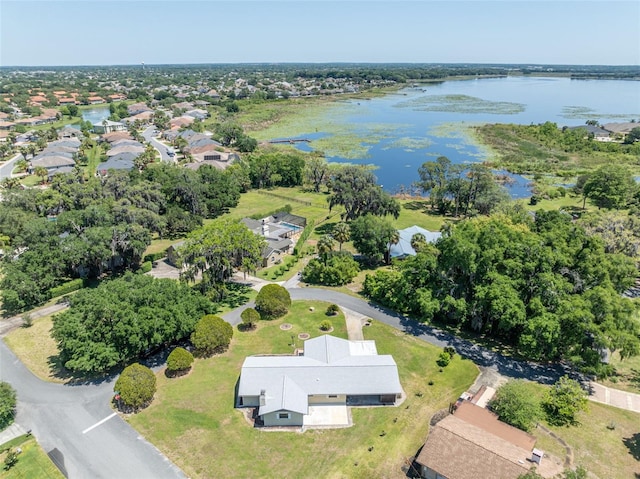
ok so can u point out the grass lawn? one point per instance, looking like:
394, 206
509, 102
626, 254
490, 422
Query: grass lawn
193, 420
30, 180
158, 245
627, 375
32, 461
94, 157
37, 350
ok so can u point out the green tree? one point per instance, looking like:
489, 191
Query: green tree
564, 401
249, 318
273, 301
371, 235
325, 246
356, 189
341, 233
610, 186
41, 172
211, 334
515, 405
394, 239
136, 386
216, 249
179, 360
7, 405
339, 269
316, 171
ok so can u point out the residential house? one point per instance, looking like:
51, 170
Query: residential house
472, 443
279, 231
403, 248
330, 373
197, 113
620, 129
114, 136
108, 126
67, 101
122, 161
95, 100
599, 134
69, 132
51, 162
180, 121
137, 108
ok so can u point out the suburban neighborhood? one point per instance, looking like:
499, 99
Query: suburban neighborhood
278, 240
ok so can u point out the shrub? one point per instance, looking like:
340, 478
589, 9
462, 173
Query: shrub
450, 350
515, 405
179, 360
136, 386
249, 318
303, 237
7, 405
151, 257
27, 320
339, 269
145, 267
332, 310
273, 301
443, 359
326, 325
66, 288
563, 401
10, 459
211, 334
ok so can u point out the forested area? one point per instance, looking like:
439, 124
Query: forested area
544, 285
96, 227
123, 319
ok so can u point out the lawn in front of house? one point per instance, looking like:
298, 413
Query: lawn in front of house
32, 461
193, 420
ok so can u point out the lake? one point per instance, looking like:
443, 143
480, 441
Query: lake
96, 114
400, 131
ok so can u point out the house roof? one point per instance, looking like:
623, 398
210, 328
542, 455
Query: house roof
620, 127
457, 449
115, 163
125, 149
404, 248
329, 365
287, 395
596, 130
488, 421
107, 123
52, 161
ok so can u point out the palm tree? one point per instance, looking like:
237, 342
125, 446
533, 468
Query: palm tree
42, 172
418, 242
341, 233
22, 165
393, 240
325, 246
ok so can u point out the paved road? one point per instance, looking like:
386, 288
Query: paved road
8, 166
542, 373
62, 417
147, 134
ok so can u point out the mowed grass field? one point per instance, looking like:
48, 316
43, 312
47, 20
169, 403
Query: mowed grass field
192, 419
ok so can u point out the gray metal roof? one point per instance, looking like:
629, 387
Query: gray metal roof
404, 248
330, 365
287, 395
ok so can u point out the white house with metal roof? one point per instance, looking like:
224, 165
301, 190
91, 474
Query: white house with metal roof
331, 371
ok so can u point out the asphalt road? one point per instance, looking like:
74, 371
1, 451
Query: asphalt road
8, 166
492, 361
66, 421
162, 149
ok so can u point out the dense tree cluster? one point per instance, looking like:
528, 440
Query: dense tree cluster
335, 269
7, 405
86, 228
124, 318
272, 168
460, 189
543, 285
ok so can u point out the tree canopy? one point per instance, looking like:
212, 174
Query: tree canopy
211, 334
136, 386
124, 318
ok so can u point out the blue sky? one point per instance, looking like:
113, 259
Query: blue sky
105, 32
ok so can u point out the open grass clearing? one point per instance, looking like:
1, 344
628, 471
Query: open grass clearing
627, 375
193, 421
32, 463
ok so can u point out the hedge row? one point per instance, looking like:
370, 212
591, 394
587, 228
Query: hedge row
145, 267
154, 256
303, 238
66, 288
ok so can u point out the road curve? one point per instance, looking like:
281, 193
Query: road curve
66, 421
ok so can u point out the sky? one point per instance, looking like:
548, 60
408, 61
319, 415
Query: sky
107, 32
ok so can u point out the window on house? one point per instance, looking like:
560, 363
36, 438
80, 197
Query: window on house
283, 415
332, 396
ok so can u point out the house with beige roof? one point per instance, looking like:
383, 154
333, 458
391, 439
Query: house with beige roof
472, 443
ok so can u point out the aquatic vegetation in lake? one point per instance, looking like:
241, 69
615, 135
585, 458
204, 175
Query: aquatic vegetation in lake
582, 113
409, 144
462, 104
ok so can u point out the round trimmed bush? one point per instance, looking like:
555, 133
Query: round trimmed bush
443, 359
249, 318
211, 334
136, 386
273, 301
179, 360
326, 325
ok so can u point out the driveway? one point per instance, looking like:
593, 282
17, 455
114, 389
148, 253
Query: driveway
147, 134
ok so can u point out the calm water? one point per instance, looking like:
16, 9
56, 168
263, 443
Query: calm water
423, 123
96, 114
